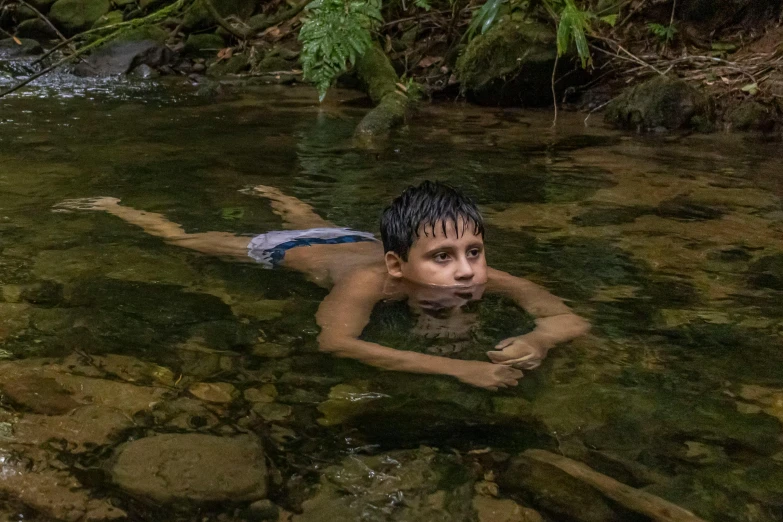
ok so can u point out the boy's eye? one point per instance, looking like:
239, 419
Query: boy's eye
441, 256
474, 252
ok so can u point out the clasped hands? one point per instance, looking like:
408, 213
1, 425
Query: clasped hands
518, 352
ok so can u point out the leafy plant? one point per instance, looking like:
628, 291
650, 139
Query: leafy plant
665, 33
573, 23
335, 34
573, 26
484, 17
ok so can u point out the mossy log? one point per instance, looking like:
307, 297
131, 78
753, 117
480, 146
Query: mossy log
655, 508
380, 79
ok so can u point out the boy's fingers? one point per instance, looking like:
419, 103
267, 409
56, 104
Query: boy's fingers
504, 344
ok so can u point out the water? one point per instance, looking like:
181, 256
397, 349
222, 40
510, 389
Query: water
670, 246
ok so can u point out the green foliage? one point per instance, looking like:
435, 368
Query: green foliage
485, 17
573, 23
573, 26
664, 32
335, 34
422, 4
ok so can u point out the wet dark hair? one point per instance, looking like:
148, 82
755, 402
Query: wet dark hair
422, 208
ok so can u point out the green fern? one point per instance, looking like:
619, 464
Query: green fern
665, 33
573, 26
484, 17
335, 34
573, 23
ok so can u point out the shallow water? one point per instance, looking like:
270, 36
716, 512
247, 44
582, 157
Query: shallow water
670, 246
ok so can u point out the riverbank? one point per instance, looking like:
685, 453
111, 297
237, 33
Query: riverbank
707, 71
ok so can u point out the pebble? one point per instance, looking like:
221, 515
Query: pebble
217, 392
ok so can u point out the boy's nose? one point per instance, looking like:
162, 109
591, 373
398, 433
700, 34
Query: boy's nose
464, 271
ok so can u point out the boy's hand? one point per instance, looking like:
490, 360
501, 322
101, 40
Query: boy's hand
519, 353
487, 375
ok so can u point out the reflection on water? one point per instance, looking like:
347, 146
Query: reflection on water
671, 247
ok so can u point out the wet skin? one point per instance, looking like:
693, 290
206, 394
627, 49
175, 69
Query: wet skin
445, 263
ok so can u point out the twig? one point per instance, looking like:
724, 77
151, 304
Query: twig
241, 35
153, 17
45, 19
554, 94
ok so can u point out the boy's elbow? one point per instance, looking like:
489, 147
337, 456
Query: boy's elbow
579, 326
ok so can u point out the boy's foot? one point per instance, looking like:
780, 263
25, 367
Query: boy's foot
296, 213
99, 203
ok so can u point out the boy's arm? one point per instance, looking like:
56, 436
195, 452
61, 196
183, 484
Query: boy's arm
555, 322
345, 312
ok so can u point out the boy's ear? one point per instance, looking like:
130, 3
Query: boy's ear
393, 264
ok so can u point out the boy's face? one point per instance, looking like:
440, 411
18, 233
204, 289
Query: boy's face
442, 259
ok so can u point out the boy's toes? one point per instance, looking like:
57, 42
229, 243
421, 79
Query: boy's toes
70, 205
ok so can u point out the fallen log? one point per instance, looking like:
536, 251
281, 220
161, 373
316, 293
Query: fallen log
382, 84
636, 500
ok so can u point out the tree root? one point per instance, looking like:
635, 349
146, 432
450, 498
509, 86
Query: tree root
249, 32
382, 85
636, 500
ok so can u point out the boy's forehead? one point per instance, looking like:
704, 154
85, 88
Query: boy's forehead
447, 229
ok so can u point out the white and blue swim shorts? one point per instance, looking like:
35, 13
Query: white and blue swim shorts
269, 249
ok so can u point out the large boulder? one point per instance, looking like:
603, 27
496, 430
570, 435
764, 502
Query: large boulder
192, 467
122, 57
661, 103
74, 16
510, 65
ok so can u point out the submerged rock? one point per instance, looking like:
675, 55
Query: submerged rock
174, 467
661, 103
396, 486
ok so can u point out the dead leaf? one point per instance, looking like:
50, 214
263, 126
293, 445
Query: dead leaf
430, 60
17, 40
401, 87
225, 54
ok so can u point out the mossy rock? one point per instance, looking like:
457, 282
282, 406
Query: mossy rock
41, 5
661, 103
73, 16
10, 50
198, 17
145, 32
36, 29
234, 65
110, 18
751, 116
510, 65
201, 44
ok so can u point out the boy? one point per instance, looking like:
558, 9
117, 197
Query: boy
432, 254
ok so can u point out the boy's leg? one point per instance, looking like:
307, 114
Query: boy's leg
216, 243
296, 214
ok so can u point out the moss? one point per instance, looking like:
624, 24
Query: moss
110, 18
73, 16
376, 72
511, 63
661, 103
751, 115
380, 79
203, 44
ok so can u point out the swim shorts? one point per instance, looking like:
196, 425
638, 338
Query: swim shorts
269, 249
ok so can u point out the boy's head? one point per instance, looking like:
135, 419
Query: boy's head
433, 234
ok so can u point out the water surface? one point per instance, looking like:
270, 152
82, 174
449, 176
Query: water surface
670, 246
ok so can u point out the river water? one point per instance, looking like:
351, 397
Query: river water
669, 245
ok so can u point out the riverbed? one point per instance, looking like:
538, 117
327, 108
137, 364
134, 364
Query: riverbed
670, 245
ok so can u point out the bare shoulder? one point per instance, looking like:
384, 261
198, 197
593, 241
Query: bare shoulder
497, 279
364, 278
